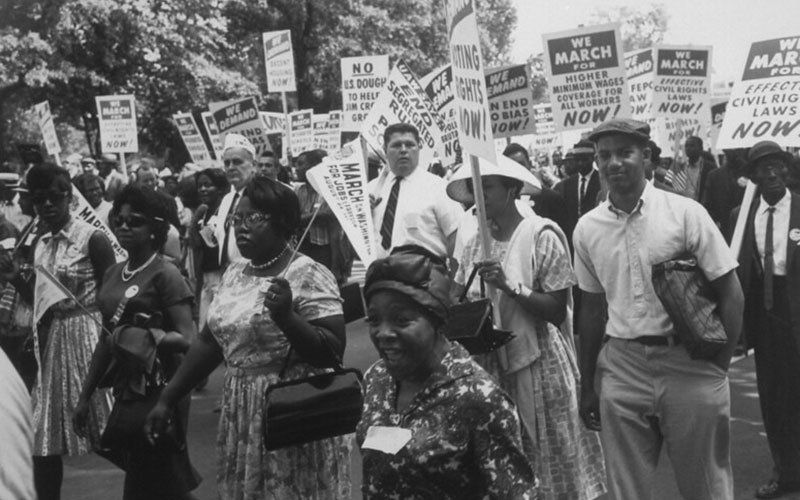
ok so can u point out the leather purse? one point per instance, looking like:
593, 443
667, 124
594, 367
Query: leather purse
691, 304
312, 408
472, 323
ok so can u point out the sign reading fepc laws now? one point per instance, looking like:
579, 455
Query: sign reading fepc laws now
586, 72
116, 115
764, 104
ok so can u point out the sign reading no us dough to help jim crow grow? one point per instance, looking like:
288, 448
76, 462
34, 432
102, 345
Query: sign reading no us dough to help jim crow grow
362, 80
682, 82
586, 72
116, 115
765, 103
279, 61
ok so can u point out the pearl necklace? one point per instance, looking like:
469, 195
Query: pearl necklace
128, 275
271, 261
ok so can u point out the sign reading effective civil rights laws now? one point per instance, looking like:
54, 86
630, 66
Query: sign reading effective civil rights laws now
586, 72
362, 80
116, 115
279, 61
682, 83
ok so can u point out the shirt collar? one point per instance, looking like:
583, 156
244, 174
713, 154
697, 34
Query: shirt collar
63, 233
782, 204
645, 200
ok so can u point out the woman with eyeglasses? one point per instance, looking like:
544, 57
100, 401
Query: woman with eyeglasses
77, 255
147, 311
269, 312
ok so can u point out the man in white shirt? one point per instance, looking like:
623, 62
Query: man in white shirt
409, 204
16, 435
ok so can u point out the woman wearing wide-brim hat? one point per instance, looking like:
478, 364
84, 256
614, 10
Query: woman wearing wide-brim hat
529, 267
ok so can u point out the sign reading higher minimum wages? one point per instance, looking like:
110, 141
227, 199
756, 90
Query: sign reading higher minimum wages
116, 115
587, 76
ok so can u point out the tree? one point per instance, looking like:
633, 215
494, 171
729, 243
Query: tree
642, 26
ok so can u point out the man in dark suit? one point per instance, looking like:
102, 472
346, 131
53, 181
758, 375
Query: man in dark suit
769, 269
546, 203
579, 190
724, 191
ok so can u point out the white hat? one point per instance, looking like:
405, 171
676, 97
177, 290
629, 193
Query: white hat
234, 140
505, 167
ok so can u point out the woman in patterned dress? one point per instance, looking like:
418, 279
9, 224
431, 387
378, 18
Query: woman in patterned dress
269, 310
529, 268
77, 255
456, 433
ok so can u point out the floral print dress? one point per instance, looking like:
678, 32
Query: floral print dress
255, 351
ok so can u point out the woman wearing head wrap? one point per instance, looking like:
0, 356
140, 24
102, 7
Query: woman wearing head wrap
529, 268
435, 425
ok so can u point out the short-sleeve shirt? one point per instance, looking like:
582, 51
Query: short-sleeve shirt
615, 252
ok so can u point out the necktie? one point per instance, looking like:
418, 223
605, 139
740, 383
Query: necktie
388, 215
769, 262
581, 195
228, 222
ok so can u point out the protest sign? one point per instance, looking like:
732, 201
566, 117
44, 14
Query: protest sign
671, 134
193, 139
362, 81
341, 180
510, 99
639, 66
301, 131
334, 131
116, 115
45, 119
213, 134
319, 124
438, 84
682, 82
545, 136
241, 116
586, 72
279, 61
274, 123
764, 104
469, 81
403, 99
718, 105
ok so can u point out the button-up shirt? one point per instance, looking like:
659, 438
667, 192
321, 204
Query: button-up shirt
780, 231
615, 252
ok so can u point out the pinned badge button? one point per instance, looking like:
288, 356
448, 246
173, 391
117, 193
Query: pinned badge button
794, 234
131, 291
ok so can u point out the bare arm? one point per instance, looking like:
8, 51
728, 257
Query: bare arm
101, 254
591, 328
731, 307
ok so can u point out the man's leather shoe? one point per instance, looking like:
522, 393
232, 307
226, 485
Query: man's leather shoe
774, 489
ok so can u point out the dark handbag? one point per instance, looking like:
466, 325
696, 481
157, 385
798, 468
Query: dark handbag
472, 323
125, 427
312, 408
691, 304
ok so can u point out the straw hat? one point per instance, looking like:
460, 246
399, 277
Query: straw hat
505, 167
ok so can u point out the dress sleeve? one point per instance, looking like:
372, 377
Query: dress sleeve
553, 269
172, 287
315, 292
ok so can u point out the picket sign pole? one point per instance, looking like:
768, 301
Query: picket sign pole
287, 130
477, 191
741, 220
123, 165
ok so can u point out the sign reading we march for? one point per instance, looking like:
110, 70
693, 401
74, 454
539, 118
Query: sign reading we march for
765, 105
116, 115
587, 77
279, 61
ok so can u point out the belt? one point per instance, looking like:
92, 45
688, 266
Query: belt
653, 340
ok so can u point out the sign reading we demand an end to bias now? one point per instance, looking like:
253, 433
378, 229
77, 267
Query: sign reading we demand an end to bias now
764, 104
587, 76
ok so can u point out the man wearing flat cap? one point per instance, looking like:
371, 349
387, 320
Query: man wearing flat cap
579, 191
769, 269
639, 386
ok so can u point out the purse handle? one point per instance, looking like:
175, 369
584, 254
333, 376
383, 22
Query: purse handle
338, 366
469, 284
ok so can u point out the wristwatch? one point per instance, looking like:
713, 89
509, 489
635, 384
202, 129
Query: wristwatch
515, 291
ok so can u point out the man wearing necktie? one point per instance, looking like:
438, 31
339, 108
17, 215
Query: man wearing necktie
769, 268
409, 204
580, 190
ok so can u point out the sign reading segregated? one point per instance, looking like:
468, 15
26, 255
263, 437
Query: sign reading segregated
764, 104
510, 99
682, 82
116, 115
279, 61
362, 81
587, 76
193, 139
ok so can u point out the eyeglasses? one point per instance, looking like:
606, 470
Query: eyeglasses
55, 197
249, 220
132, 221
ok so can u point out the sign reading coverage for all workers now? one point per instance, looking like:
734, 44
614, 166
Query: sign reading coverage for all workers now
279, 61
213, 133
764, 104
45, 120
404, 100
116, 115
682, 83
341, 180
438, 84
362, 80
510, 99
586, 72
469, 80
193, 139
301, 131
639, 67
241, 116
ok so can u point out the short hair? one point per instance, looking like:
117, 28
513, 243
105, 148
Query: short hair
148, 203
313, 157
515, 148
694, 138
400, 128
43, 175
655, 151
276, 199
508, 182
267, 153
84, 181
216, 176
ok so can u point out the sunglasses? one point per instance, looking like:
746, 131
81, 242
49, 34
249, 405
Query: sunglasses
132, 221
54, 197
250, 219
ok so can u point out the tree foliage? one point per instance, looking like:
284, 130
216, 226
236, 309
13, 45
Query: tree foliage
642, 26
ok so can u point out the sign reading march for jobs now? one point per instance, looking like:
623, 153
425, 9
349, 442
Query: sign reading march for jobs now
116, 115
587, 77
764, 104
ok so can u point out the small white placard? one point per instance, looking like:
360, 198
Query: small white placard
386, 439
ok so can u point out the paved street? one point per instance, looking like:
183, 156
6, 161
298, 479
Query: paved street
92, 478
